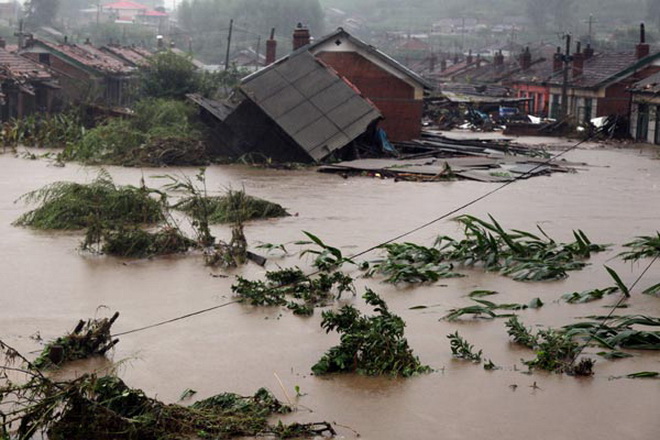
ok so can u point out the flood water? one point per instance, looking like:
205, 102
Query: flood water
47, 286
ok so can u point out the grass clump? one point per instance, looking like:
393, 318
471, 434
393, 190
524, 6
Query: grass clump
370, 345
295, 290
488, 308
226, 209
91, 407
71, 206
90, 338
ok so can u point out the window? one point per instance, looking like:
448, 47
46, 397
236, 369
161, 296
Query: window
44, 58
556, 108
642, 122
588, 105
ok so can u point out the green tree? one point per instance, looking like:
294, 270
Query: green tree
169, 75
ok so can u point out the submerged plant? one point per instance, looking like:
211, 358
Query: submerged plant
461, 349
555, 350
69, 205
327, 258
412, 263
292, 288
645, 246
588, 295
488, 308
137, 243
235, 205
370, 345
91, 407
89, 338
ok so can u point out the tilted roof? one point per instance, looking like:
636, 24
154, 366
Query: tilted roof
650, 84
318, 109
90, 57
128, 54
16, 67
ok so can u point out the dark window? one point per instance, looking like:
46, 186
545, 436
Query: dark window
588, 106
556, 108
44, 58
657, 125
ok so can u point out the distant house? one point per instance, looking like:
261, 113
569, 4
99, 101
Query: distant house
295, 110
533, 81
133, 56
645, 113
599, 83
26, 87
85, 72
394, 89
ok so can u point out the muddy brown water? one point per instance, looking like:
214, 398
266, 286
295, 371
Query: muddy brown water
47, 285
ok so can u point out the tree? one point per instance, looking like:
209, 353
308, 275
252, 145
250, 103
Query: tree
169, 75
40, 12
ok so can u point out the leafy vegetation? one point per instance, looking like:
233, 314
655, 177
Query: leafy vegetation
646, 246
412, 263
292, 288
370, 345
518, 254
619, 332
56, 130
555, 349
227, 208
160, 132
488, 308
70, 206
461, 349
105, 407
328, 258
91, 338
138, 243
588, 295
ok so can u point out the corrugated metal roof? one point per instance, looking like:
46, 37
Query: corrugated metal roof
311, 103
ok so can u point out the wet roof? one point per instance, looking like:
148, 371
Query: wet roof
91, 57
17, 67
311, 103
129, 54
649, 84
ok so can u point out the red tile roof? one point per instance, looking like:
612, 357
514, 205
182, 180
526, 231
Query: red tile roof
91, 57
128, 54
16, 67
125, 5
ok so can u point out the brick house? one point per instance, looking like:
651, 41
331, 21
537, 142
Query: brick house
85, 72
26, 87
394, 89
645, 110
599, 83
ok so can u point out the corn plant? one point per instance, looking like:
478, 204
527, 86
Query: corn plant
461, 349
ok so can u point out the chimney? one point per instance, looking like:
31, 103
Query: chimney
3, 43
455, 58
469, 57
301, 36
88, 41
526, 59
159, 42
271, 48
642, 49
578, 61
588, 51
443, 65
478, 60
557, 61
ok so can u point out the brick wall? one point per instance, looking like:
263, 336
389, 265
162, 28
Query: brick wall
393, 97
617, 96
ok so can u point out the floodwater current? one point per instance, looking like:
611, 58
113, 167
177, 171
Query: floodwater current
47, 285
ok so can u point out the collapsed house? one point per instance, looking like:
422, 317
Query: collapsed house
317, 100
26, 87
295, 110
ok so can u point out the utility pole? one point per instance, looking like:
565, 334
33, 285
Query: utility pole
231, 28
256, 61
564, 84
590, 22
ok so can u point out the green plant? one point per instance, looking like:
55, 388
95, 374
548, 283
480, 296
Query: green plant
588, 295
520, 334
327, 258
235, 204
461, 349
292, 288
645, 246
68, 205
137, 243
370, 345
487, 308
88, 338
412, 263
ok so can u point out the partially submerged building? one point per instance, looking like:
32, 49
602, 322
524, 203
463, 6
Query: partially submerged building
85, 72
645, 112
295, 110
26, 87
